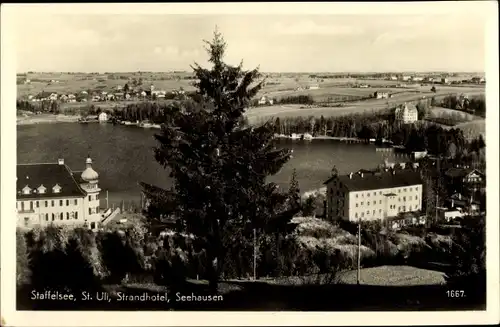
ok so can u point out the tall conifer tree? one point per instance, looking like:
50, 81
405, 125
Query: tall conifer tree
219, 165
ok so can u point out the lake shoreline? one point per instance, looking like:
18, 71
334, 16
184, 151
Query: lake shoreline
46, 119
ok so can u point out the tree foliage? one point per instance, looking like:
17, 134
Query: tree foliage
218, 165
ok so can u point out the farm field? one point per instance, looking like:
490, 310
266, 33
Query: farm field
259, 114
275, 86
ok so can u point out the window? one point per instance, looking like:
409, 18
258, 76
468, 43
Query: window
379, 210
41, 189
76, 214
404, 208
26, 221
22, 206
399, 191
404, 189
46, 217
46, 204
356, 195
380, 202
61, 216
367, 212
356, 205
368, 194
38, 204
362, 214
368, 203
31, 205
67, 215
362, 202
90, 197
373, 211
56, 189
52, 202
76, 202
26, 190
356, 215
90, 211
374, 193
60, 203
67, 202
404, 198
53, 217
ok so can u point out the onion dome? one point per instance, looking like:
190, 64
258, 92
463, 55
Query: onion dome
89, 174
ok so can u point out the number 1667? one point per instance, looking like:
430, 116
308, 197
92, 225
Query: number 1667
455, 293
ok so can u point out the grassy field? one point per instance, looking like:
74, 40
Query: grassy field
275, 86
395, 276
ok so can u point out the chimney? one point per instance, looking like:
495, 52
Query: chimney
452, 203
350, 175
361, 174
60, 161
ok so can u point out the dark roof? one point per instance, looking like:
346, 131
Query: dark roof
461, 172
47, 175
380, 180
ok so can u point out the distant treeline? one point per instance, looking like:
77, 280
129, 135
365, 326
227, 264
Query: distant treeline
477, 104
378, 126
41, 106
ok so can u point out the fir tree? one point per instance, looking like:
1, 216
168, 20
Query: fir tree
219, 166
294, 191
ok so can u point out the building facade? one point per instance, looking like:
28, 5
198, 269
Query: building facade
370, 195
50, 193
406, 114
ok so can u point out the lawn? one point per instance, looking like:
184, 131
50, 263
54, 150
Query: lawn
395, 276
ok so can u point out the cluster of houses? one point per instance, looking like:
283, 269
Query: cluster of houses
431, 79
119, 94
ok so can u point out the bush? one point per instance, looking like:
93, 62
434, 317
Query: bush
63, 259
23, 272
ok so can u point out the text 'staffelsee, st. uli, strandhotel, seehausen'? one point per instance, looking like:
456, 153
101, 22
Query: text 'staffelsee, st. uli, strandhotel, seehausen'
374, 195
50, 193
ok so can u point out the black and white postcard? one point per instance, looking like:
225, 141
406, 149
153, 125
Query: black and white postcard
246, 164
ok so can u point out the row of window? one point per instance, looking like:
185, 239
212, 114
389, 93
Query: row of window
380, 192
400, 209
45, 204
410, 198
60, 216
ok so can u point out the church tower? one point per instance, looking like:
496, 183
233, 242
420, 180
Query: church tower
90, 179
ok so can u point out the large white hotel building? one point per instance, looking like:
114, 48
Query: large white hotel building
369, 195
50, 193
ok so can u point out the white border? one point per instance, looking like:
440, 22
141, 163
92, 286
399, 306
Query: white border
8, 151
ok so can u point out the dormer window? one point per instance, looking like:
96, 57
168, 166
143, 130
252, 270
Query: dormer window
56, 189
26, 190
42, 189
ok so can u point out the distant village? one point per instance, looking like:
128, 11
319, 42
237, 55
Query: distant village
119, 93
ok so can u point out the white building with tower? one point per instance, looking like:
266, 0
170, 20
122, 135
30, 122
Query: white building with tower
407, 113
50, 193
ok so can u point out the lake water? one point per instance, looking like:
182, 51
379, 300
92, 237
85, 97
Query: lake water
123, 156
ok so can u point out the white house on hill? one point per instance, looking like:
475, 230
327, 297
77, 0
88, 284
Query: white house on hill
406, 114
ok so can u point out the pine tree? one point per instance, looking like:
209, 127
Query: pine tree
294, 191
219, 167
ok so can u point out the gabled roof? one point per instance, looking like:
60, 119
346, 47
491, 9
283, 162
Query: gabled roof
461, 172
48, 175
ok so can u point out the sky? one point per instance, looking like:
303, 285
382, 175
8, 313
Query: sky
275, 43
